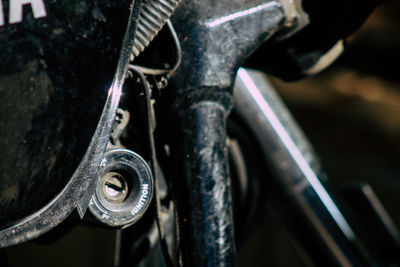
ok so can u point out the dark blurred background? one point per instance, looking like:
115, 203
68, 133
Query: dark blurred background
351, 115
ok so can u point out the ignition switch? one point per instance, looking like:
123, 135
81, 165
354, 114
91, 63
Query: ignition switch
124, 189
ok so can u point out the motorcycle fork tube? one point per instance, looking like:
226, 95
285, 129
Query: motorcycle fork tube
208, 219
303, 200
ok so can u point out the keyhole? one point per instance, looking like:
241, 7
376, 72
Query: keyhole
114, 187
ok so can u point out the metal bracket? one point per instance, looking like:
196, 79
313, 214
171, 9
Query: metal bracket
296, 18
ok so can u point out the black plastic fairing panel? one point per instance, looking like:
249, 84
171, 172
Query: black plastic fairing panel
57, 61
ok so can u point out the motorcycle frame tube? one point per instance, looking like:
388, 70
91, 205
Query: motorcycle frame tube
209, 213
80, 188
313, 215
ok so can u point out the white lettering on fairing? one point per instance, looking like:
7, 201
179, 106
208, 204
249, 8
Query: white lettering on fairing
16, 10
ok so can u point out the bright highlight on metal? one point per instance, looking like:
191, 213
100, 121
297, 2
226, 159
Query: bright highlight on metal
236, 15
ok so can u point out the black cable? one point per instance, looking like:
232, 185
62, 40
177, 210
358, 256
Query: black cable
146, 91
170, 71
